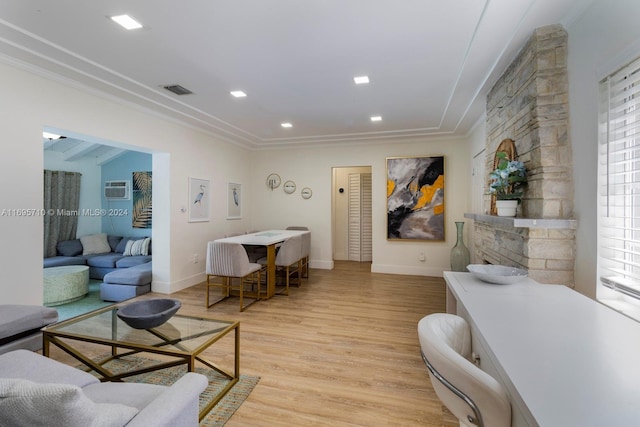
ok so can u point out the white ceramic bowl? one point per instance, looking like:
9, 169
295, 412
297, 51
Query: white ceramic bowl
498, 274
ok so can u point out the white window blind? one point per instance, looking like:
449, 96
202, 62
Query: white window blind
619, 180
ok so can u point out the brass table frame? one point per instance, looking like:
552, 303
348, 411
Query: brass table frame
52, 335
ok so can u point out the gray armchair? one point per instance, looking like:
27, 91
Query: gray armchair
147, 404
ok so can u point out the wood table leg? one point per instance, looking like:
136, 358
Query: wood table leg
271, 270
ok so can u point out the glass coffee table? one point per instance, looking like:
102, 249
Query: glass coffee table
179, 341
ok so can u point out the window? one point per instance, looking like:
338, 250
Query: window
619, 181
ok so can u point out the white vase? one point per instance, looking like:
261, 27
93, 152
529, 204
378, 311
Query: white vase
506, 207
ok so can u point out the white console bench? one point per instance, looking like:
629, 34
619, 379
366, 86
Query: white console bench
564, 359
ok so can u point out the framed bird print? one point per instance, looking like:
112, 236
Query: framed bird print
234, 201
199, 199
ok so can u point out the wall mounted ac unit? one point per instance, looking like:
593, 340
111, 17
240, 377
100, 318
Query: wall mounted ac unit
116, 190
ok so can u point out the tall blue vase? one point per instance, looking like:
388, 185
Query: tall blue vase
459, 253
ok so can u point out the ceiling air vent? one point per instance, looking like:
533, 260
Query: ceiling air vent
178, 90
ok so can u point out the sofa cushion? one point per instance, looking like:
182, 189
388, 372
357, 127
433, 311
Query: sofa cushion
17, 318
58, 261
107, 260
137, 395
137, 247
131, 261
113, 242
69, 247
134, 276
32, 366
26, 403
95, 244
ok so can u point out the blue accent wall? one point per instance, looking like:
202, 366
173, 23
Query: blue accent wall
122, 168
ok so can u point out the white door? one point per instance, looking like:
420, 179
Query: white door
359, 233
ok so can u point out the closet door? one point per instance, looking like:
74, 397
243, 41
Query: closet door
359, 217
365, 225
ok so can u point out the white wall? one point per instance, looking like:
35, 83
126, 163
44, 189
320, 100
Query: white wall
602, 39
30, 102
477, 179
312, 167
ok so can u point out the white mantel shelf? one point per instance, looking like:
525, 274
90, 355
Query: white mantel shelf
524, 222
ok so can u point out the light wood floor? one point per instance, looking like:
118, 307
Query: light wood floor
341, 350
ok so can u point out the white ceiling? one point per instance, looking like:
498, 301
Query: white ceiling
430, 62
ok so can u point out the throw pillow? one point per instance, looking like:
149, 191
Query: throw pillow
137, 247
69, 247
114, 241
122, 245
27, 403
95, 244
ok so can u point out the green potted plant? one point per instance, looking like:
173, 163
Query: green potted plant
506, 182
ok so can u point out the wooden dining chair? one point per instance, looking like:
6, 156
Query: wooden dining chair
230, 261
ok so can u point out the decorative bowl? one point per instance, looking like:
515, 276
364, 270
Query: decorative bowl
148, 313
498, 274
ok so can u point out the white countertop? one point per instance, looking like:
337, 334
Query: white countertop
571, 360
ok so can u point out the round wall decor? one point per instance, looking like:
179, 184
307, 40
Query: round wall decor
306, 193
289, 187
273, 181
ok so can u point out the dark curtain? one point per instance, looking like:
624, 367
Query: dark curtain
61, 202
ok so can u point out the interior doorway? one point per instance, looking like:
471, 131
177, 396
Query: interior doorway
352, 214
90, 155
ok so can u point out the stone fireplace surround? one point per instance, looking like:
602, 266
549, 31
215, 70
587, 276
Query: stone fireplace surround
529, 104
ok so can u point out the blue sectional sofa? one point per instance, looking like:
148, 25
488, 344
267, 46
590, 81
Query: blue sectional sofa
125, 273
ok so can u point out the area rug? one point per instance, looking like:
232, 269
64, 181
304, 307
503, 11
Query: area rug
220, 413
89, 303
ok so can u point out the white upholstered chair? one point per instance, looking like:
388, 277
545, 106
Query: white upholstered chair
287, 260
230, 261
306, 249
471, 394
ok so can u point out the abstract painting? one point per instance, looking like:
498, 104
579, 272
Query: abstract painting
415, 198
142, 206
199, 192
234, 201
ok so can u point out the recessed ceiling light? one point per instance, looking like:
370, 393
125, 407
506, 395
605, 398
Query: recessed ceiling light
286, 125
376, 118
238, 93
50, 135
127, 22
361, 80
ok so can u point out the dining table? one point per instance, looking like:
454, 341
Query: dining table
270, 239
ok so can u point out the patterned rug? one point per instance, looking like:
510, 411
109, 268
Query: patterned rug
220, 413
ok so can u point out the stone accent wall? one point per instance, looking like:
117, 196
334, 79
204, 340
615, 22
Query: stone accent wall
529, 104
547, 253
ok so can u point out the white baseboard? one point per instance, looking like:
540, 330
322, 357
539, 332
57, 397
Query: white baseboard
168, 288
407, 270
322, 265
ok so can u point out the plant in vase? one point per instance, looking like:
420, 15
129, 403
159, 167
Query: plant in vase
506, 182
